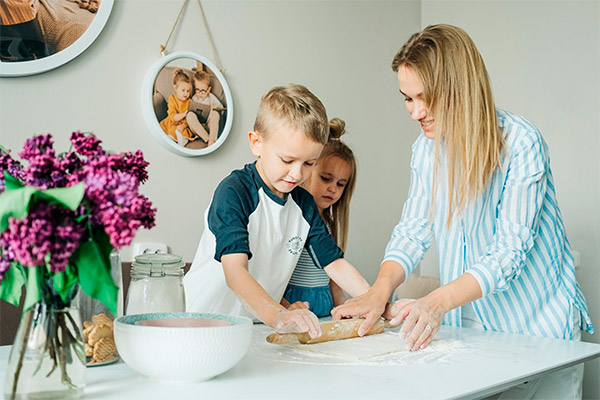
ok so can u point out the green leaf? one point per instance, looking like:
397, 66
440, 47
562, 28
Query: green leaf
33, 295
12, 285
64, 281
103, 241
11, 182
95, 279
68, 197
15, 203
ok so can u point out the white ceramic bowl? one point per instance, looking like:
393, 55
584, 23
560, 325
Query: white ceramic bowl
183, 346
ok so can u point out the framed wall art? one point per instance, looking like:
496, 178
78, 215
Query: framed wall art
40, 35
187, 104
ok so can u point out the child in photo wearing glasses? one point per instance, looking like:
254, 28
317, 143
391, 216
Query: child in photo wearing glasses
198, 115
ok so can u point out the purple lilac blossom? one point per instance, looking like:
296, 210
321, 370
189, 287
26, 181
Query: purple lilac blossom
111, 202
5, 264
86, 145
44, 170
10, 165
47, 230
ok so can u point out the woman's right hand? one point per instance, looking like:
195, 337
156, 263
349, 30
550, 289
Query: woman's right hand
369, 306
297, 321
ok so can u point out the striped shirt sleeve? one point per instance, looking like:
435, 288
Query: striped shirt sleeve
413, 235
517, 213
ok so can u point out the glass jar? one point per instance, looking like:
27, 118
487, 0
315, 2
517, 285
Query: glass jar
98, 336
156, 284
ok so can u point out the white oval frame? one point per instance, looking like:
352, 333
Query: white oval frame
152, 120
32, 67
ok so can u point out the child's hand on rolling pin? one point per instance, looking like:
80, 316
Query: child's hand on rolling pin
297, 321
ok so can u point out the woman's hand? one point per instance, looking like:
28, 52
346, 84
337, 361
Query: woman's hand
422, 320
297, 321
369, 306
423, 317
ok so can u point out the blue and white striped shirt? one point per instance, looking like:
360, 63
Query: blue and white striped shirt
511, 238
307, 274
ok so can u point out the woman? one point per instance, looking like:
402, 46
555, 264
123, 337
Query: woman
481, 183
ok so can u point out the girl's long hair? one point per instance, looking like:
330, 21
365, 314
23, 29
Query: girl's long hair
337, 217
458, 92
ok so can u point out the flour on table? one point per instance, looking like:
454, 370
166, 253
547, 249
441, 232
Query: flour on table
377, 350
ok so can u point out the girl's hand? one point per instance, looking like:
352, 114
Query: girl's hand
297, 321
393, 310
369, 306
422, 320
299, 305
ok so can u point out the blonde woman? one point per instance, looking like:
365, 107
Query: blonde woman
331, 184
481, 183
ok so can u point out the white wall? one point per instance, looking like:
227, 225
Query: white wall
544, 61
340, 50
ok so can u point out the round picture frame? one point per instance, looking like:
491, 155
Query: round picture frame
158, 88
47, 63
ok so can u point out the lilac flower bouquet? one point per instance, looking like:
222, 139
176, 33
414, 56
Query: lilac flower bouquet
61, 216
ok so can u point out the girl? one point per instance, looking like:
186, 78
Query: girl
481, 183
331, 184
174, 124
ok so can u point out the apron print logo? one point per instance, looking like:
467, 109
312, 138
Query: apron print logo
294, 245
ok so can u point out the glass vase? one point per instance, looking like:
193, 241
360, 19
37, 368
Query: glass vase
47, 360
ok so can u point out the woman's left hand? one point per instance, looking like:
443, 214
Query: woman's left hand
422, 320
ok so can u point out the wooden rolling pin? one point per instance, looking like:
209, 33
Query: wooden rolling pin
332, 330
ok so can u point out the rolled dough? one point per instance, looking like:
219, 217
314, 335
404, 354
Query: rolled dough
360, 348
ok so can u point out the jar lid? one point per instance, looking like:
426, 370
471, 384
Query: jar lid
158, 260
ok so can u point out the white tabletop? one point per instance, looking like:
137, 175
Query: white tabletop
489, 363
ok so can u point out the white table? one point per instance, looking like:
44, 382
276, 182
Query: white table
497, 362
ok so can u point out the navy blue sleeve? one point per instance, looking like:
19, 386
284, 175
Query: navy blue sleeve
320, 244
228, 217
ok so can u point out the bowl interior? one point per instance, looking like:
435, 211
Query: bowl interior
182, 320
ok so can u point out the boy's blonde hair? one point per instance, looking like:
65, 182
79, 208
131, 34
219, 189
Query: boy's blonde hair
337, 217
201, 76
180, 76
295, 106
458, 92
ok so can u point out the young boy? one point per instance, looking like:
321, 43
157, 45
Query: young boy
259, 220
204, 109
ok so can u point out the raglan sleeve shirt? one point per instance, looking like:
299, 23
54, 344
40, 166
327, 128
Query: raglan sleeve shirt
319, 243
228, 218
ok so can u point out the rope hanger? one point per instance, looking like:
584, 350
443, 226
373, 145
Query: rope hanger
163, 48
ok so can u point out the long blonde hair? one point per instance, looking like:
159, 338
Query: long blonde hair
337, 217
458, 92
